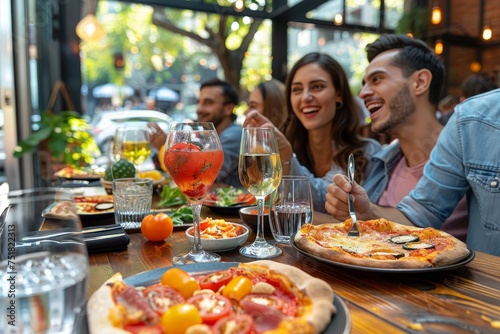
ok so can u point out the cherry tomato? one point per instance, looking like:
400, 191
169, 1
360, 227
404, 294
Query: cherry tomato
237, 288
179, 318
212, 307
157, 227
143, 329
180, 281
161, 297
235, 324
216, 280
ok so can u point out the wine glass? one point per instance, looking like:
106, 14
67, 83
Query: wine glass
260, 173
194, 157
135, 145
116, 144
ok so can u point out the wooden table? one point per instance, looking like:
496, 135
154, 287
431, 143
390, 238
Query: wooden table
462, 300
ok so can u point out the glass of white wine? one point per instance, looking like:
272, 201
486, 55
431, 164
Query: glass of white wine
135, 145
260, 173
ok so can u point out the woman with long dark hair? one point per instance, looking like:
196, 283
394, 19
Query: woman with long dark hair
324, 126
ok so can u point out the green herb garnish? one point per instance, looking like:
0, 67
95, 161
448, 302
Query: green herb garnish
172, 196
183, 215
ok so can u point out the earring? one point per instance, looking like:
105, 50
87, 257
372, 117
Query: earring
339, 105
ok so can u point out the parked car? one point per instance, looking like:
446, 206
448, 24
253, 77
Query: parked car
104, 125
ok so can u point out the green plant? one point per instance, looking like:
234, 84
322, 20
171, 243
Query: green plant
65, 135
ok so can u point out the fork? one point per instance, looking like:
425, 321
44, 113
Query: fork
353, 232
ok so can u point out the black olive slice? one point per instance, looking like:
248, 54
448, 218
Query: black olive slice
418, 245
395, 254
403, 238
104, 206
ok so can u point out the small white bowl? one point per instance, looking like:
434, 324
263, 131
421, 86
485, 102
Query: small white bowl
220, 245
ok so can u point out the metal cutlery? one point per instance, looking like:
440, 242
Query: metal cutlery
353, 232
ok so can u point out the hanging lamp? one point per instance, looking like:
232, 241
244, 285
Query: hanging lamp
89, 28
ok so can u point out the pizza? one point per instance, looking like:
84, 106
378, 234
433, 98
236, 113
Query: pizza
255, 297
93, 199
80, 173
94, 204
381, 244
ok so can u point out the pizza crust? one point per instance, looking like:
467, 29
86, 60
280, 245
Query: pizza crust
320, 293
98, 308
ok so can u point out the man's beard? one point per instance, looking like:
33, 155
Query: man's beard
400, 107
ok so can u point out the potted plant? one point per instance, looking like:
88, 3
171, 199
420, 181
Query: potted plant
65, 136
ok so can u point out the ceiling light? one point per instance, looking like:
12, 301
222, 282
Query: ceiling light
487, 32
338, 19
89, 29
438, 47
436, 14
475, 66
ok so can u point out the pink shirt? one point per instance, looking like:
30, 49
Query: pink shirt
404, 179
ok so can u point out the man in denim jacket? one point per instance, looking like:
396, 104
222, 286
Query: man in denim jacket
465, 161
401, 89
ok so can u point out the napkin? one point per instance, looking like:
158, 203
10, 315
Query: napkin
105, 238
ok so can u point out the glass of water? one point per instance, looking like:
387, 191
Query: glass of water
132, 201
291, 207
43, 262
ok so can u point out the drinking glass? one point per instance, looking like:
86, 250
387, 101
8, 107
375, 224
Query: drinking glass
43, 262
260, 173
194, 157
132, 201
135, 145
291, 207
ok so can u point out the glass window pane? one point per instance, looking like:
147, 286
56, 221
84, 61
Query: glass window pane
393, 11
346, 47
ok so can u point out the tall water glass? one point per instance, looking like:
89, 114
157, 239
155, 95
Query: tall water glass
291, 207
43, 262
132, 201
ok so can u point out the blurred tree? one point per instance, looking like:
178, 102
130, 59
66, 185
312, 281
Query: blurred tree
228, 37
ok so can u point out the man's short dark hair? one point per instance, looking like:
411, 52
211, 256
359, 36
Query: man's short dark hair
414, 55
230, 94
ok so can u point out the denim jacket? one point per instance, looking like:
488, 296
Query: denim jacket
383, 164
465, 160
319, 184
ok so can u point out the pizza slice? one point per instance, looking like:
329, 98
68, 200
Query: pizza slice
60, 210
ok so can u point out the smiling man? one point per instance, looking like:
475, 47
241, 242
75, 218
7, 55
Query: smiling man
401, 90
